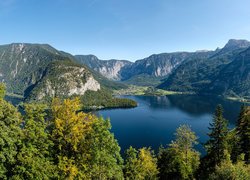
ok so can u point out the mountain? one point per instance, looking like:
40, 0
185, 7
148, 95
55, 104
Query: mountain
111, 69
22, 65
147, 71
234, 44
234, 78
63, 79
38, 71
198, 74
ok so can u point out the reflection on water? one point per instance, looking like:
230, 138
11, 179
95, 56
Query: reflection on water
156, 118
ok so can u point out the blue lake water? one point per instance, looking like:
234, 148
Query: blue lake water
156, 118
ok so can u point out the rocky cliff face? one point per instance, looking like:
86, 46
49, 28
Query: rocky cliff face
157, 65
111, 69
64, 79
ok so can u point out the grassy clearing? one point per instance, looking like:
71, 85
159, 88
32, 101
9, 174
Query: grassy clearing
143, 90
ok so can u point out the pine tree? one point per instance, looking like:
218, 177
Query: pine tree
243, 132
217, 144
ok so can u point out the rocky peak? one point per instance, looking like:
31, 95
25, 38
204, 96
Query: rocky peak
237, 43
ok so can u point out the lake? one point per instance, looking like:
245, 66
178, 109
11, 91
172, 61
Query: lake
156, 118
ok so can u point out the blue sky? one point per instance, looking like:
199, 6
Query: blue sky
125, 29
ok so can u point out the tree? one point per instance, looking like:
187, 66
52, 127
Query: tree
33, 159
10, 133
132, 168
84, 146
140, 164
2, 90
217, 143
243, 132
226, 170
180, 160
105, 161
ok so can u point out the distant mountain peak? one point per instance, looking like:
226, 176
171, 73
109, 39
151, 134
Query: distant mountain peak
237, 43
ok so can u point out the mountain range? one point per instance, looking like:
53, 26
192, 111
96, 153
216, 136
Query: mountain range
224, 72
38, 71
202, 72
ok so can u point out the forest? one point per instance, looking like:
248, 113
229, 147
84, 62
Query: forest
61, 142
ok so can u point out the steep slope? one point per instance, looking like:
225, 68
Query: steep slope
234, 79
147, 71
157, 65
39, 72
111, 69
63, 79
151, 70
195, 74
22, 65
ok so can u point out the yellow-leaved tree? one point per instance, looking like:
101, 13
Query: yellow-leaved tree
84, 147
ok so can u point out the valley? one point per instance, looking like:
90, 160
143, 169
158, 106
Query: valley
39, 72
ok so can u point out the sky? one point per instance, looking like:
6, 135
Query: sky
125, 29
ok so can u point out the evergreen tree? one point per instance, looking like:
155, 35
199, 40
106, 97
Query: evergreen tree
217, 143
243, 132
180, 160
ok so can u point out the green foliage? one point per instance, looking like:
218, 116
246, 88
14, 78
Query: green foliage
10, 133
104, 99
226, 170
105, 161
180, 160
34, 159
217, 144
141, 164
144, 80
2, 90
61, 142
243, 133
84, 147
23, 64
225, 72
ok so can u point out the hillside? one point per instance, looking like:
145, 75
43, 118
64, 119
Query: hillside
22, 65
198, 74
233, 79
39, 72
63, 79
146, 72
